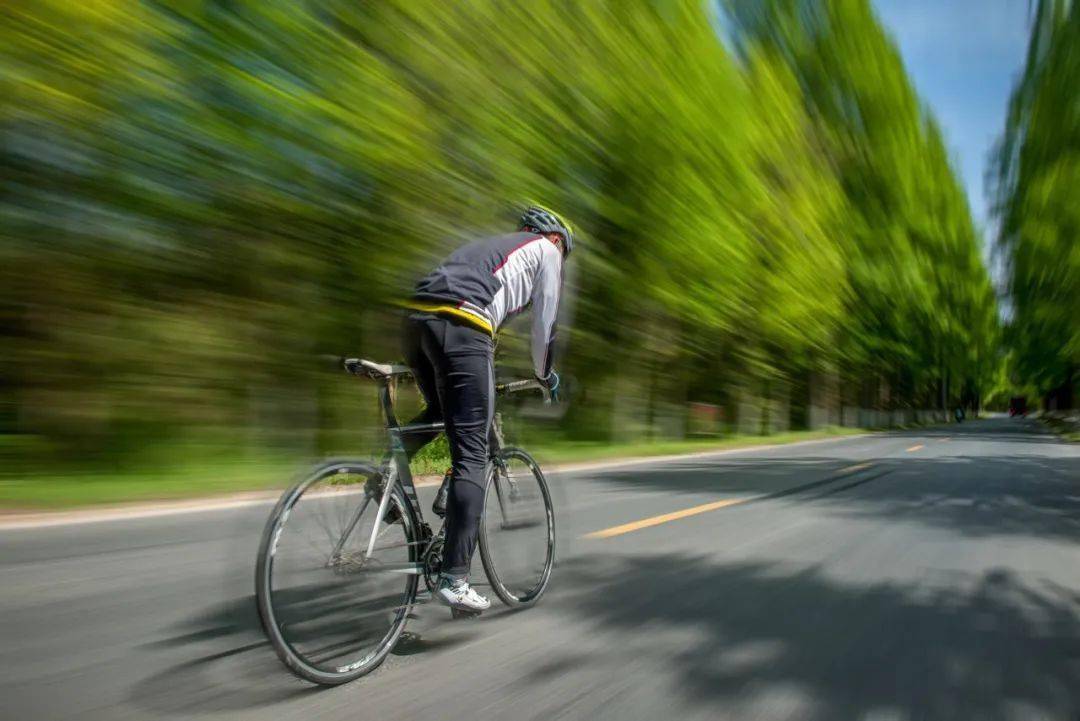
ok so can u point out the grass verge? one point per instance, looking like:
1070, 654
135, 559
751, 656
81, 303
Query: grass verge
55, 491
1063, 427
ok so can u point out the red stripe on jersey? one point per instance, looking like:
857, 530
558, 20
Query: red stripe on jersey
519, 247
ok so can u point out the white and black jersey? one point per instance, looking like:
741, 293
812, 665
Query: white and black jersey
486, 282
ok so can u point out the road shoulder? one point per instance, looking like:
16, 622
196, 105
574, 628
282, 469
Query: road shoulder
21, 520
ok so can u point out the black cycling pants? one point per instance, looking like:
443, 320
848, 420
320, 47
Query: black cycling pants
453, 367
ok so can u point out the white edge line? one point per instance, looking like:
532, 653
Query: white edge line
50, 519
46, 519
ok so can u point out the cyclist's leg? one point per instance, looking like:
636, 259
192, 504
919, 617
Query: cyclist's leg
469, 392
418, 339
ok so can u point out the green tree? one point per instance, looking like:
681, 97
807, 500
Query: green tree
1039, 173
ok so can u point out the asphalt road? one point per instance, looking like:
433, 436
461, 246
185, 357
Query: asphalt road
916, 575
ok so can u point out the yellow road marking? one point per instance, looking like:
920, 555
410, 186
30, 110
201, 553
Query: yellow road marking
915, 448
657, 520
687, 512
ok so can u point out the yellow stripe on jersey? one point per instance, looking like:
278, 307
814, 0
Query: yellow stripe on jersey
452, 310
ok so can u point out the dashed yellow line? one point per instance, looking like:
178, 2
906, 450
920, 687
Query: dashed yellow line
665, 518
695, 510
915, 448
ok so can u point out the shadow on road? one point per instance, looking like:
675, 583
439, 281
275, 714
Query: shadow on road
957, 646
230, 666
1014, 495
1030, 496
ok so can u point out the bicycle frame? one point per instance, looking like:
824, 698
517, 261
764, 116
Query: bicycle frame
399, 467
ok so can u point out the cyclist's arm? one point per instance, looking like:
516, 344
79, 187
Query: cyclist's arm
545, 309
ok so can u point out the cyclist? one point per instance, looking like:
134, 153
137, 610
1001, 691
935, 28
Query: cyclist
456, 310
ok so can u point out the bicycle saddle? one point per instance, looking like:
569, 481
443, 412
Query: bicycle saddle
375, 370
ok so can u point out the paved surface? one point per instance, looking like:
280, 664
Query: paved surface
919, 575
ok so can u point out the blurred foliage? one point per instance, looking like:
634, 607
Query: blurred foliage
200, 196
1039, 194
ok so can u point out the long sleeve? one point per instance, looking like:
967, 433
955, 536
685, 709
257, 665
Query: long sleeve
545, 309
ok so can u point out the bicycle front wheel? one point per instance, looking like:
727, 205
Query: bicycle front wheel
517, 530
334, 585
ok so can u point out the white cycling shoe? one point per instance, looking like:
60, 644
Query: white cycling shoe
460, 596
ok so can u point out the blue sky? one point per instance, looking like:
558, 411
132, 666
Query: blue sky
963, 56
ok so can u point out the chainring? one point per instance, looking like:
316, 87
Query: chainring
433, 564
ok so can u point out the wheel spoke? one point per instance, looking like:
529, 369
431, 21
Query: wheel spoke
517, 543
334, 608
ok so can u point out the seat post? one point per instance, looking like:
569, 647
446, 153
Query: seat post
386, 398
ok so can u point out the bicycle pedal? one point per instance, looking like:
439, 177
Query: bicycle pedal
460, 614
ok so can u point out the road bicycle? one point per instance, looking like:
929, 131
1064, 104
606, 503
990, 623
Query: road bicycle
344, 551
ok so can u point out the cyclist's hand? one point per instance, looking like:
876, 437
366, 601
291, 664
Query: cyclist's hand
551, 385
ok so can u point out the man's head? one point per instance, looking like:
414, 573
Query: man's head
538, 219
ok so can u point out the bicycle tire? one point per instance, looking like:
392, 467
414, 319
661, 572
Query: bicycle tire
294, 659
487, 552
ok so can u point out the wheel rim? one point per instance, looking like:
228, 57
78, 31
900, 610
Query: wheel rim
336, 613
519, 529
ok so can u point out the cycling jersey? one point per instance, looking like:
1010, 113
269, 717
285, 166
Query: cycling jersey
485, 283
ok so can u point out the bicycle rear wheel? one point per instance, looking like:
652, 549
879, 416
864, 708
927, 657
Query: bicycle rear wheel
517, 530
332, 611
